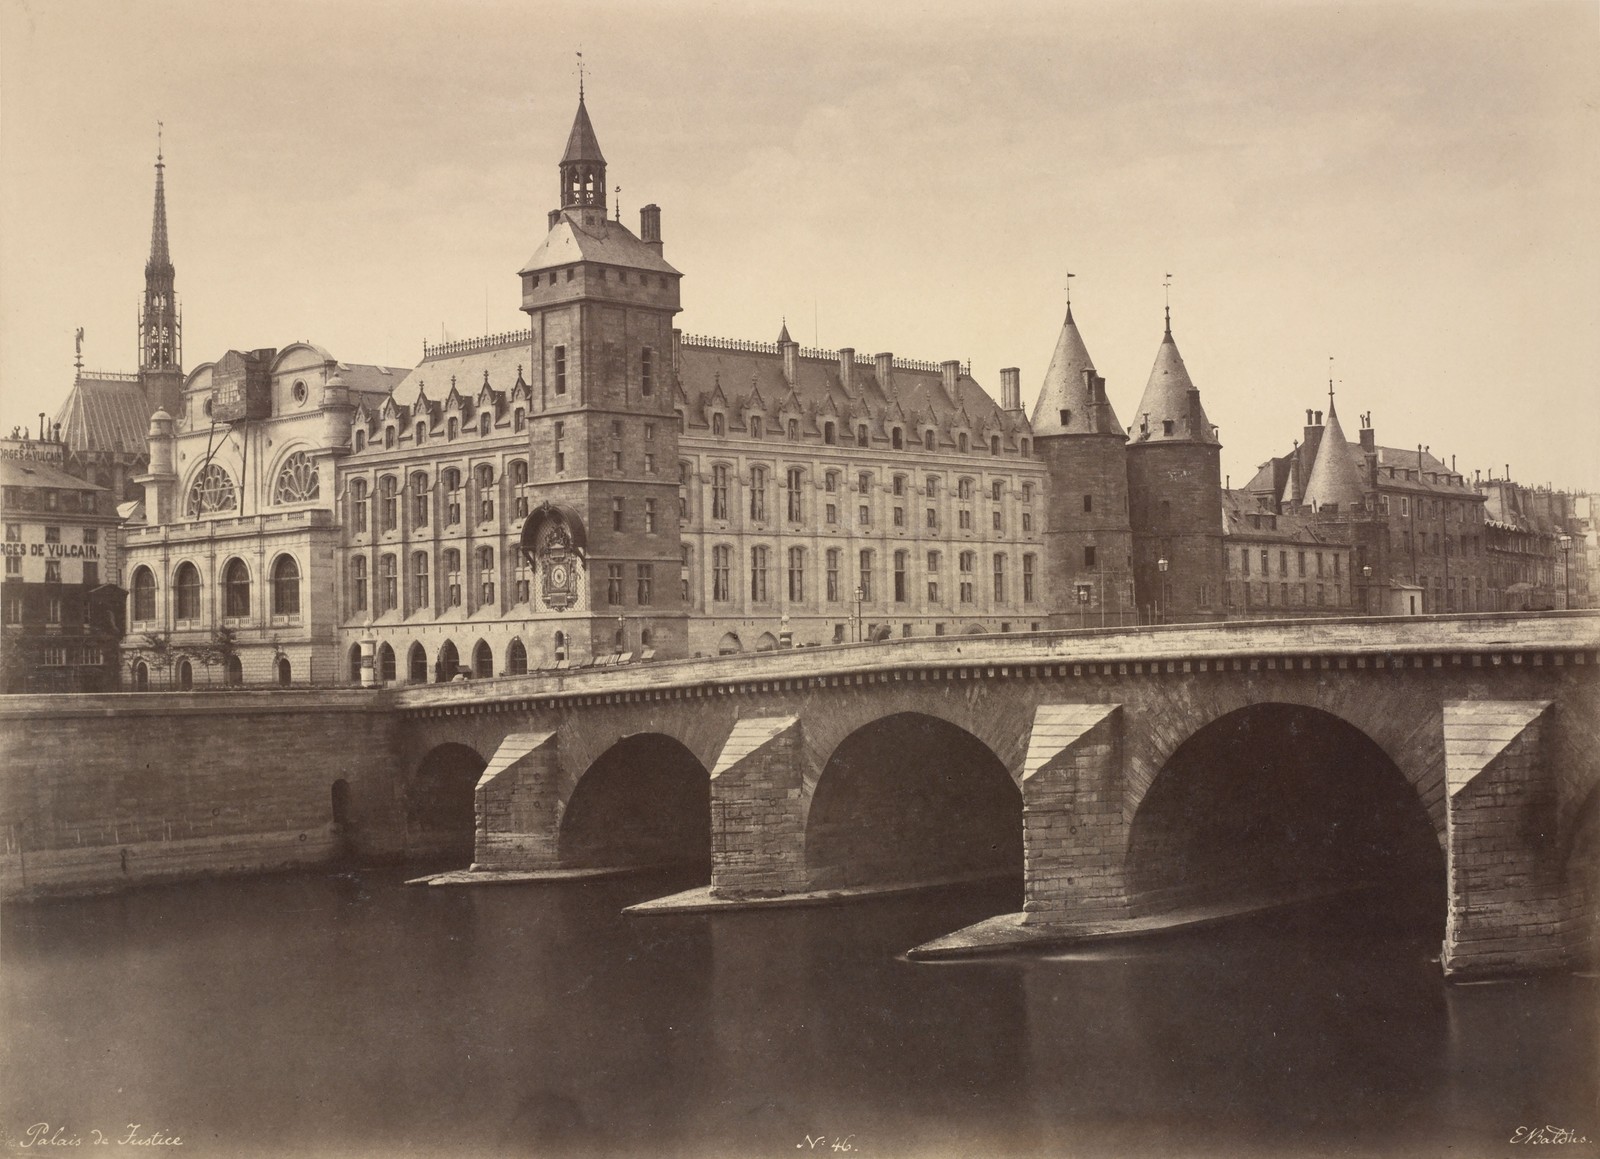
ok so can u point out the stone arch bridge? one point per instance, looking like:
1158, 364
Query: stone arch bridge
1120, 773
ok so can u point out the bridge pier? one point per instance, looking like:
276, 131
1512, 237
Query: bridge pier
1074, 832
518, 805
760, 795
1508, 890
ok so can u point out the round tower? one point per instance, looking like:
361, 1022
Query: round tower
1088, 542
337, 412
1175, 497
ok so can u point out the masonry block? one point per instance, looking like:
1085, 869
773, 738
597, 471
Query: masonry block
518, 805
1073, 833
1507, 888
759, 800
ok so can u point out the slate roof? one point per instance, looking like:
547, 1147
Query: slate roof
1336, 474
502, 362
610, 243
1066, 390
31, 473
106, 414
1241, 514
582, 144
753, 379
1166, 399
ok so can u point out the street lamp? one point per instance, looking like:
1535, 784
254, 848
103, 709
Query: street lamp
622, 632
1083, 605
1566, 569
1366, 575
1161, 587
860, 595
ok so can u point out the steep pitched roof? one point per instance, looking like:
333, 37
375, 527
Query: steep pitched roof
582, 144
106, 414
31, 473
610, 242
1166, 399
1335, 478
500, 361
1067, 391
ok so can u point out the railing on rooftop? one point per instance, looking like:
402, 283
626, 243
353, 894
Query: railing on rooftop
106, 376
747, 346
473, 345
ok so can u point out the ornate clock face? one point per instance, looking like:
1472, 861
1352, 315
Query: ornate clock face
558, 575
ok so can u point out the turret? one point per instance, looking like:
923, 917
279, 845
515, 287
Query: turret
337, 413
160, 482
1088, 544
1175, 496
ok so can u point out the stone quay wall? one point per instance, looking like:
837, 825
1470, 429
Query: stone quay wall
98, 791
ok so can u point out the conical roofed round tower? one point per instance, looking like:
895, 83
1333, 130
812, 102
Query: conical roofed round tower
1088, 542
1335, 483
1175, 496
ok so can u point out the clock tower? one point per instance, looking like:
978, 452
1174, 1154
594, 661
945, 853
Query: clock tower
603, 535
160, 326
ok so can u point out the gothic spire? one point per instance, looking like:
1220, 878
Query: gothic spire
160, 259
583, 166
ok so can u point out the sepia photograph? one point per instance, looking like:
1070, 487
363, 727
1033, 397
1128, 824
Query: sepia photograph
710, 579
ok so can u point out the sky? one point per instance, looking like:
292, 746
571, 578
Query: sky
1409, 189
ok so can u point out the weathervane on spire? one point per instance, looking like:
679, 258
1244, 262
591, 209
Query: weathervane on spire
159, 126
1070, 276
1330, 384
580, 76
1167, 290
78, 359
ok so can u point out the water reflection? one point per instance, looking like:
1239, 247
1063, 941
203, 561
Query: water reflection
348, 1014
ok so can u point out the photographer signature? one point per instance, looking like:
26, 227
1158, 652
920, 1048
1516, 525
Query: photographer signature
1547, 1134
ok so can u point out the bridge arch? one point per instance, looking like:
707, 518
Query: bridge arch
645, 800
439, 808
912, 798
1274, 798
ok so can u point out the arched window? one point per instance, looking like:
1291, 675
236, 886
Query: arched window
186, 590
485, 575
419, 433
144, 594
233, 670
297, 480
794, 430
516, 658
485, 421
212, 490
994, 444
361, 440
452, 428
417, 665
897, 439
185, 675
483, 660
485, 474
419, 498
355, 663
285, 672
961, 442
388, 438
236, 589
386, 664
358, 583
285, 587
755, 426
141, 676
758, 493
420, 587
519, 472
448, 663
717, 427
389, 493
927, 439
560, 642
358, 504
830, 433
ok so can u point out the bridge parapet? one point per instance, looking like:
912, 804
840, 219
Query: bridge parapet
1177, 649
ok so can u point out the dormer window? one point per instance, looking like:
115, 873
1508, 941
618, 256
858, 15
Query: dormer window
361, 440
452, 429
421, 434
928, 439
897, 438
755, 426
861, 435
1166, 426
830, 433
994, 444
717, 424
485, 421
388, 438
1066, 416
794, 430
961, 442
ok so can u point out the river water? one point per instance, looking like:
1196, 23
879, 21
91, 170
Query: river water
346, 1014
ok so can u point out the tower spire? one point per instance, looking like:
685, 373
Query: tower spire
583, 166
160, 258
1167, 290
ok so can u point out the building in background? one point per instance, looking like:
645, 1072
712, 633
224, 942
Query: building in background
1537, 542
60, 606
1414, 524
1282, 564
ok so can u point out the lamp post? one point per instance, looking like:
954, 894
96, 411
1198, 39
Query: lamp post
785, 637
1083, 605
860, 595
1366, 587
1566, 570
622, 633
1161, 586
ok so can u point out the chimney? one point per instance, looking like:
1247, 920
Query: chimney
847, 370
650, 226
885, 366
1011, 389
1313, 439
1319, 418
949, 372
555, 216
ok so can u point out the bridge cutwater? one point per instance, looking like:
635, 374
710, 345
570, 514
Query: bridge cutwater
1127, 777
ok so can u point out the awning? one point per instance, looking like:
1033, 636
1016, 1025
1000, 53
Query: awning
544, 513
